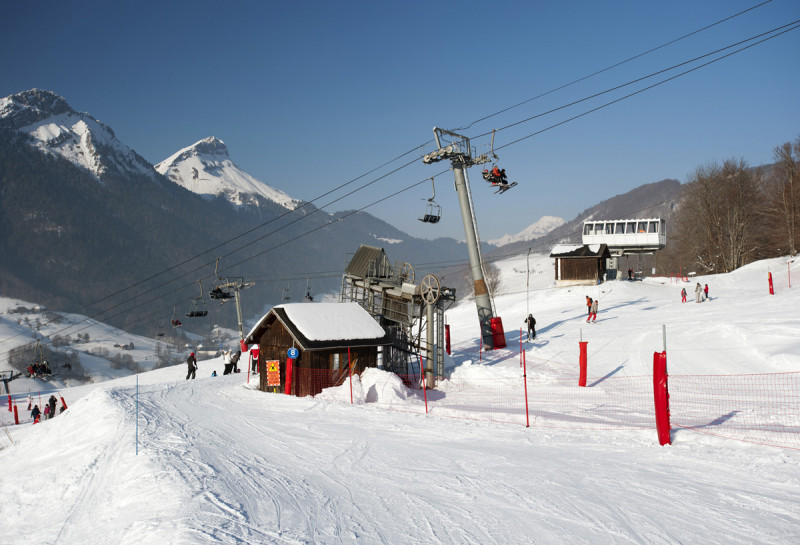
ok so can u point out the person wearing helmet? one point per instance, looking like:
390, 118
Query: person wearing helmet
191, 361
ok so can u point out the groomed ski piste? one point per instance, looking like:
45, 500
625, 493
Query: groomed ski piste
214, 460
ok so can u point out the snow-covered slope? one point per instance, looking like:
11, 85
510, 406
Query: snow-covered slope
76, 136
229, 464
206, 168
536, 230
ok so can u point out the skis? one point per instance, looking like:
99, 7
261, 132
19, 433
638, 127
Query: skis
505, 187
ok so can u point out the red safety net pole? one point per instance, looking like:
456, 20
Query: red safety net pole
9, 403
520, 347
447, 338
350, 367
661, 397
16, 416
525, 382
771, 290
289, 369
424, 385
582, 362
63, 403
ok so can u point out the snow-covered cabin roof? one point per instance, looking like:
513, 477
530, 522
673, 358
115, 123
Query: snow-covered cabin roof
580, 250
323, 325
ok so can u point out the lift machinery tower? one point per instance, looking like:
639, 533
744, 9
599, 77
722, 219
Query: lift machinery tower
457, 149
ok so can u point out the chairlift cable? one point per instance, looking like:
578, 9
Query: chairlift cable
394, 194
610, 67
774, 30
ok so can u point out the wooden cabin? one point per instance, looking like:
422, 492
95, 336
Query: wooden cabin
580, 264
330, 338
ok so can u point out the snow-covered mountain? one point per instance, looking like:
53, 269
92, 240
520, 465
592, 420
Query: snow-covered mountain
206, 168
77, 136
536, 230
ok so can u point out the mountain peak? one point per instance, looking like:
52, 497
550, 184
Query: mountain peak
29, 107
536, 230
206, 168
211, 146
57, 129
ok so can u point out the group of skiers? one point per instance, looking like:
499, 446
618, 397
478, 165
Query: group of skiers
230, 359
591, 305
39, 369
49, 409
700, 293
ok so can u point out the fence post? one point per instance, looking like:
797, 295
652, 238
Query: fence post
661, 397
424, 384
582, 362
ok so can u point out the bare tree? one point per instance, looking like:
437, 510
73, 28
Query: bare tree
783, 196
718, 222
491, 275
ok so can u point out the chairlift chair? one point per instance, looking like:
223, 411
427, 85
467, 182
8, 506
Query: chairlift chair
160, 330
309, 292
500, 182
433, 212
286, 295
198, 308
219, 291
175, 321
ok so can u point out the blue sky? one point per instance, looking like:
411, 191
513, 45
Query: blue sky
310, 95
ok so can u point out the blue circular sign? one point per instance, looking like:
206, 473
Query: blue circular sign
293, 353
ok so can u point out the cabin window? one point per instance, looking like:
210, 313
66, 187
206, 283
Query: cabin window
587, 228
642, 227
653, 227
598, 228
335, 362
631, 228
609, 228
663, 227
620, 228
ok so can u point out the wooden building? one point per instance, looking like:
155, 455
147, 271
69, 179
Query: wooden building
330, 338
580, 264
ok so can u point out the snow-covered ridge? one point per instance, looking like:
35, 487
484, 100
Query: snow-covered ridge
76, 136
536, 230
205, 168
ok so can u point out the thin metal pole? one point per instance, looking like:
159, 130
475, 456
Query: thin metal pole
137, 415
528, 283
525, 382
239, 314
429, 356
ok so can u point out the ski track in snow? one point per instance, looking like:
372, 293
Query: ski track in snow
219, 462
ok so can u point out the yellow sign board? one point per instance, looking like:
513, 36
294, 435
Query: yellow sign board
273, 373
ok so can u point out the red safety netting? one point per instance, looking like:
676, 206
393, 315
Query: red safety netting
762, 408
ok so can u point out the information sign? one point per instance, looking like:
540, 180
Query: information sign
273, 373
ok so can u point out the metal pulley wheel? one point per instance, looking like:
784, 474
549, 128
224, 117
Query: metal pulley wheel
431, 289
407, 273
